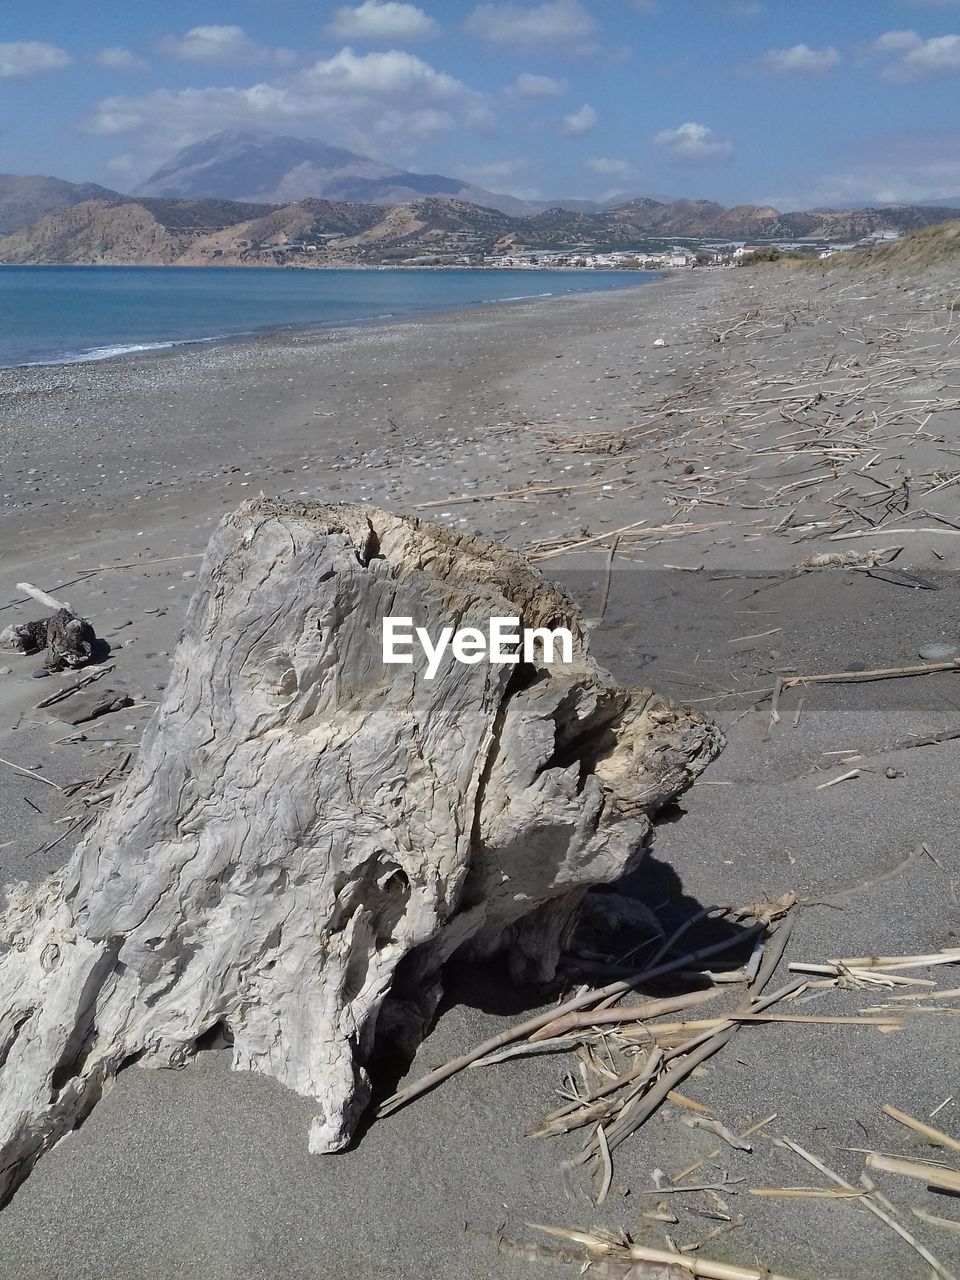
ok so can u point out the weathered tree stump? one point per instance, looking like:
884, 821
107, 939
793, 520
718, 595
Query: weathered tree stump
308, 834
67, 639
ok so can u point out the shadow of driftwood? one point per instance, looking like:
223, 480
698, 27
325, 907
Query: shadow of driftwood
621, 929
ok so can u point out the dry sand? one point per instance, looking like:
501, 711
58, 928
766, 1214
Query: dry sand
128, 464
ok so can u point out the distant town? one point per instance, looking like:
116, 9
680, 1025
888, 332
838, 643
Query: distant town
686, 254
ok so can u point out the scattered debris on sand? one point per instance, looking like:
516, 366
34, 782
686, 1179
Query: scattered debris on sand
630, 1063
68, 640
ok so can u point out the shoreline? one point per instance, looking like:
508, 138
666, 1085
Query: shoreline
677, 491
175, 422
93, 356
296, 266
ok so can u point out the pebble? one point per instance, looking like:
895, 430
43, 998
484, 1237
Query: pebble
855, 666
890, 772
6, 671
938, 651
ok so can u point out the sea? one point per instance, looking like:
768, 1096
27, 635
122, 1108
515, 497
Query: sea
62, 315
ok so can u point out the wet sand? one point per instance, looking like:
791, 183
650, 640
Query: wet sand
128, 464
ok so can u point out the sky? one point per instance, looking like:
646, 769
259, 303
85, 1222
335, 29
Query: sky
795, 103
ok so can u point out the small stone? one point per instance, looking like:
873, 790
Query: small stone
855, 666
190, 573
891, 772
938, 651
6, 671
659, 343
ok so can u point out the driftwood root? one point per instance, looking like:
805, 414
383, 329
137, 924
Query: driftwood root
69, 640
308, 834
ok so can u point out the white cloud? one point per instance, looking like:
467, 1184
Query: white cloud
116, 58
883, 186
693, 142
495, 171
910, 57
528, 85
800, 59
902, 168
895, 42
220, 44
502, 175
383, 103
552, 22
383, 20
609, 166
580, 122
510, 176
22, 58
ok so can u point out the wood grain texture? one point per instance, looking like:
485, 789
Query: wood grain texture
303, 819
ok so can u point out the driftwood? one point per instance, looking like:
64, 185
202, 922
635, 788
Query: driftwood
308, 834
68, 639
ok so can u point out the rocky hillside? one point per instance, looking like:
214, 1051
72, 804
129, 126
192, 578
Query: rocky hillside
24, 200
705, 219
201, 215
191, 233
95, 233
151, 230
125, 232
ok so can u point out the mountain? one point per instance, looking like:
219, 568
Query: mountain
161, 232
23, 200
316, 232
198, 233
273, 168
634, 222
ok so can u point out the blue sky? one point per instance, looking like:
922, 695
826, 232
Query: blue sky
790, 102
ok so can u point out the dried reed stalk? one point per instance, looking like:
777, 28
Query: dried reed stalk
932, 1135
934, 1175
874, 1208
700, 1268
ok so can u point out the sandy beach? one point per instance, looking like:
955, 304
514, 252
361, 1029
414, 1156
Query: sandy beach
678, 451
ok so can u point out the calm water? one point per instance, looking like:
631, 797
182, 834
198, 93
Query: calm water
52, 315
